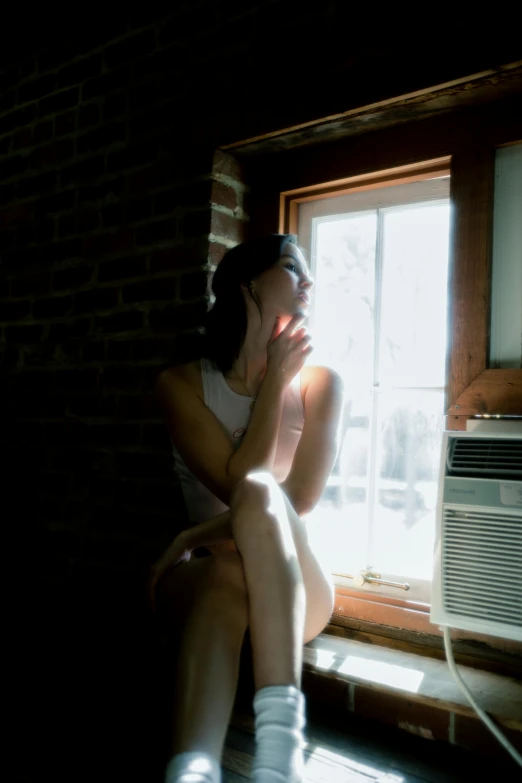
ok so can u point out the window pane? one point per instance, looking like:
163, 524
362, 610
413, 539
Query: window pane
410, 426
342, 320
342, 329
341, 516
381, 277
414, 295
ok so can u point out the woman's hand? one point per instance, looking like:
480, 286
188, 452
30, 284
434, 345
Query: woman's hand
178, 552
288, 349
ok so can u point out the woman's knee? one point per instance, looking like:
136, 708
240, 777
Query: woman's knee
253, 488
258, 494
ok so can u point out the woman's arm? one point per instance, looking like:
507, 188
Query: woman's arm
258, 447
319, 442
202, 442
313, 460
198, 434
256, 452
287, 350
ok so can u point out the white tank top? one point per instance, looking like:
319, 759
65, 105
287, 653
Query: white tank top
233, 411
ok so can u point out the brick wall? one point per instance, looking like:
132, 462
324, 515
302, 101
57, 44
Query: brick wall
109, 224
114, 209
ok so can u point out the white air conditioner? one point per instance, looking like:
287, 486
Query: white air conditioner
477, 579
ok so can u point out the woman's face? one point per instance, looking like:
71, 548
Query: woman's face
285, 288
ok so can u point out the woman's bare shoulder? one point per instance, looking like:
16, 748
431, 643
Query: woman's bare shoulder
182, 370
317, 374
189, 372
309, 373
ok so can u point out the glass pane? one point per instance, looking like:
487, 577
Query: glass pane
410, 426
407, 433
342, 329
414, 294
341, 516
342, 319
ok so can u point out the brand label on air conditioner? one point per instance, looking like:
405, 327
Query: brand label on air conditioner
511, 494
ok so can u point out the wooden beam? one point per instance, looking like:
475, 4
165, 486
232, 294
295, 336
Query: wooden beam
414, 142
492, 392
476, 88
471, 195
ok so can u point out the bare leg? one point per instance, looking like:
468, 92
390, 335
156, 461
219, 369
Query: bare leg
276, 592
206, 599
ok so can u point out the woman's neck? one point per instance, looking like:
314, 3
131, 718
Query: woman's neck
249, 368
251, 364
249, 372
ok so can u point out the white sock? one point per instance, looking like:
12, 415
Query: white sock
280, 719
193, 767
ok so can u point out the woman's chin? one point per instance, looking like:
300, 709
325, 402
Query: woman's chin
285, 318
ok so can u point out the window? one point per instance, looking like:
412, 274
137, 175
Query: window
379, 311
463, 143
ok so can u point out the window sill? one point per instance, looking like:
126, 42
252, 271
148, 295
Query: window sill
412, 691
409, 622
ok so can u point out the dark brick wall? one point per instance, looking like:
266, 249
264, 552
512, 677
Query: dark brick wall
114, 207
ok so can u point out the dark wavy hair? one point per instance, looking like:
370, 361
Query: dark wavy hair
226, 322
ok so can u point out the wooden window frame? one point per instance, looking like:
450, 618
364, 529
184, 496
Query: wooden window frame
472, 236
401, 175
464, 142
350, 602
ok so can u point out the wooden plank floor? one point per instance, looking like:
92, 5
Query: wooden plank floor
346, 749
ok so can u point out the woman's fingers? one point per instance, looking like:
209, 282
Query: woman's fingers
292, 324
300, 338
301, 333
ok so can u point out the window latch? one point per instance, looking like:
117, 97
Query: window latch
370, 577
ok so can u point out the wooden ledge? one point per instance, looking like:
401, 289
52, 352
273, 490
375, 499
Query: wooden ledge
413, 677
343, 678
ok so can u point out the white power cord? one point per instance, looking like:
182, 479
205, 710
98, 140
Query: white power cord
489, 723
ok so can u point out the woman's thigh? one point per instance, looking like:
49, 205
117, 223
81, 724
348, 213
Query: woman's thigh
209, 576
318, 582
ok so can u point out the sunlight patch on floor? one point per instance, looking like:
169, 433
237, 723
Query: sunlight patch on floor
322, 764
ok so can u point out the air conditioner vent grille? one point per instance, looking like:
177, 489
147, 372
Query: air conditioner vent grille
481, 563
491, 457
